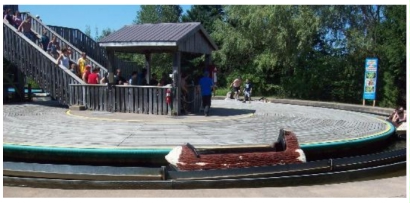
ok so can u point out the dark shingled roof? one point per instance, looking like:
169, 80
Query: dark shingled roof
161, 32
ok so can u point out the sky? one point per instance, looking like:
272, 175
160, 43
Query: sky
117, 16
79, 16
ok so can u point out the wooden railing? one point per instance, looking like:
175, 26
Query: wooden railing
37, 27
93, 49
36, 63
127, 99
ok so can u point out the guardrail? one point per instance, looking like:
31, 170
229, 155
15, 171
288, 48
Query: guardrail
128, 99
93, 49
38, 27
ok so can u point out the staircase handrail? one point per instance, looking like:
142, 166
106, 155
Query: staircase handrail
127, 67
30, 62
38, 27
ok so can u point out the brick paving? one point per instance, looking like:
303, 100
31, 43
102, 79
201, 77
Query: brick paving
45, 123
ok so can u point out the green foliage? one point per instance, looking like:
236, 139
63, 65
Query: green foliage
105, 32
33, 83
205, 14
158, 14
87, 30
297, 51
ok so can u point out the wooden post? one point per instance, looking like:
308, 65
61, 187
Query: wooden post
176, 68
29, 93
148, 66
207, 62
364, 102
110, 67
374, 103
19, 91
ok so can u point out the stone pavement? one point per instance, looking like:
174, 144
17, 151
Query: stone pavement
389, 187
45, 123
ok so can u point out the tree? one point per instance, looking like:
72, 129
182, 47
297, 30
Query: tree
205, 14
393, 58
87, 30
105, 32
158, 14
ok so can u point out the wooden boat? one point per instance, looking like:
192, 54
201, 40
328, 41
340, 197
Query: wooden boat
285, 150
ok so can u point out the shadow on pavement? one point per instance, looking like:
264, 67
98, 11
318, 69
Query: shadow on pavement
43, 101
218, 111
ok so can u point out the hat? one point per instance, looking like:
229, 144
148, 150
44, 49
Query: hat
37, 16
88, 67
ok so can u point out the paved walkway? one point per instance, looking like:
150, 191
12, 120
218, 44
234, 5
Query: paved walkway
45, 123
390, 187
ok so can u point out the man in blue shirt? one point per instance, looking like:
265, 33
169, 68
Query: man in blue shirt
205, 85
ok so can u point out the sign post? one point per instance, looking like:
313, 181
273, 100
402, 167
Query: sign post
370, 79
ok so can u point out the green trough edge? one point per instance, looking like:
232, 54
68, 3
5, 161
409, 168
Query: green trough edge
146, 153
156, 152
351, 142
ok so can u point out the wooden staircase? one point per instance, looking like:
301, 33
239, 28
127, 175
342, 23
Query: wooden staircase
33, 61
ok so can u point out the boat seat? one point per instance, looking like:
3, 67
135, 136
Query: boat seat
280, 144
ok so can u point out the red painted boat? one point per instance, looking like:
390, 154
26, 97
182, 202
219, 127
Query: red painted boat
285, 150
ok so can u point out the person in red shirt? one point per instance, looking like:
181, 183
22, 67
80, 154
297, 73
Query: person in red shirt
86, 73
94, 77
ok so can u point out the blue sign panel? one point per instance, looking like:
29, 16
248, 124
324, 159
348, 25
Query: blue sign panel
370, 78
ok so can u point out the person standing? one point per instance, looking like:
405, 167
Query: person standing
44, 40
118, 79
94, 78
86, 73
81, 63
205, 86
9, 17
17, 19
247, 91
64, 59
133, 80
153, 81
236, 85
53, 47
25, 28
142, 77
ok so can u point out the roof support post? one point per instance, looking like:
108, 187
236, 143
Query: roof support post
176, 70
207, 62
148, 66
110, 67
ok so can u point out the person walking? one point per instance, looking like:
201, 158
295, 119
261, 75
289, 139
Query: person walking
63, 59
205, 86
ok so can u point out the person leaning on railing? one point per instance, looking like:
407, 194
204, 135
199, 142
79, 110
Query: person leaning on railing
8, 16
17, 19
